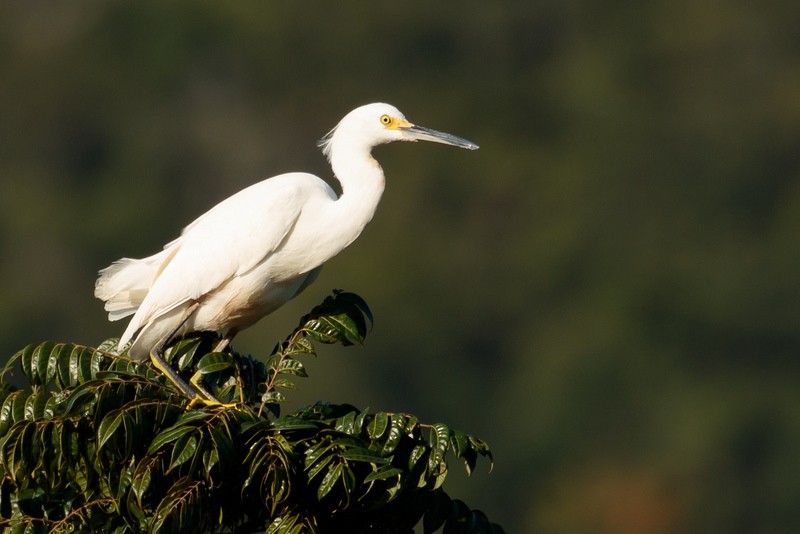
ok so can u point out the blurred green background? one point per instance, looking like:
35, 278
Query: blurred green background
608, 291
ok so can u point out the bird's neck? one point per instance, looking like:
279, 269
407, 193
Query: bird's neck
362, 181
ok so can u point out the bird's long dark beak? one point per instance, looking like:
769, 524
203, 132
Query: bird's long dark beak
414, 132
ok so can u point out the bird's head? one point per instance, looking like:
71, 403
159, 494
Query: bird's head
375, 124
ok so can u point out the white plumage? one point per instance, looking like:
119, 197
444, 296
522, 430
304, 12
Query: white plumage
261, 247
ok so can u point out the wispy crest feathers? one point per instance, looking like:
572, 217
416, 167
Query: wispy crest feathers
325, 142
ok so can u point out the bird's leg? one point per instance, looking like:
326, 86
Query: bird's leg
225, 342
157, 357
197, 378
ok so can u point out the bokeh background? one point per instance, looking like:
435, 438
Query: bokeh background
608, 291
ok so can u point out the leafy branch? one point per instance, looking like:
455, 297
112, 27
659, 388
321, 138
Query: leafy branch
99, 442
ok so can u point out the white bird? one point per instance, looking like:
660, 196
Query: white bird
256, 250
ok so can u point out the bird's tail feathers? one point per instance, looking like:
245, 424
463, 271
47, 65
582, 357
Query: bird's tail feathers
124, 284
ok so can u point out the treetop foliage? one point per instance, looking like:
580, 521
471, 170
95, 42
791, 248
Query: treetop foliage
102, 443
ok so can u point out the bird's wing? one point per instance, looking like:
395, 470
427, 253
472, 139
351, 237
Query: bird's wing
231, 238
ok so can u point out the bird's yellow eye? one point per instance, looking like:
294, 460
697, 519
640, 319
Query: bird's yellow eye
386, 120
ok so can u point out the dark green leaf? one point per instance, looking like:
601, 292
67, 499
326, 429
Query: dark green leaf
192, 417
40, 360
346, 423
169, 435
292, 366
384, 472
63, 377
12, 410
439, 440
313, 454
181, 506
378, 425
108, 426
84, 393
26, 358
283, 382
361, 454
329, 481
470, 457
142, 478
80, 366
293, 423
301, 345
459, 443
223, 444
396, 432
109, 345
184, 449
438, 511
358, 422
36, 404
273, 397
318, 467
214, 362
418, 463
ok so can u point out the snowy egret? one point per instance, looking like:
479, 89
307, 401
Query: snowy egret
258, 249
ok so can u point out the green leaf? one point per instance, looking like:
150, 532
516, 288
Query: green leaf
63, 366
169, 435
210, 459
396, 433
223, 444
358, 422
292, 366
481, 447
378, 426
439, 507
285, 383
18, 448
25, 360
346, 423
80, 366
439, 441
293, 423
319, 450
109, 345
108, 426
36, 404
125, 480
318, 466
143, 477
301, 345
384, 472
273, 397
192, 416
329, 481
40, 362
214, 362
84, 393
96, 363
459, 443
12, 410
286, 524
418, 464
470, 458
181, 354
354, 301
182, 506
361, 454
184, 450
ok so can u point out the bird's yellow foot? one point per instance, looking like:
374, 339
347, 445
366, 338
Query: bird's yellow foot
198, 395
201, 402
